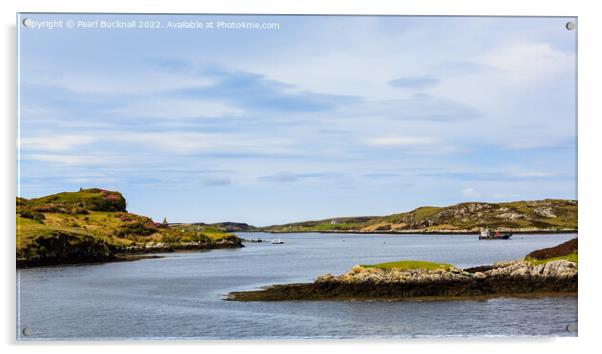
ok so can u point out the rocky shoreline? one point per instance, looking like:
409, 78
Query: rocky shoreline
23, 264
162, 247
65, 256
515, 278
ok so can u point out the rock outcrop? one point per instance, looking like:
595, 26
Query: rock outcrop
506, 278
61, 247
560, 269
163, 247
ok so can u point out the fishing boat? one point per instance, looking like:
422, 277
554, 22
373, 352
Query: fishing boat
277, 242
494, 235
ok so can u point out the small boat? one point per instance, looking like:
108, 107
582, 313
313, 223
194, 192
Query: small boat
491, 235
277, 242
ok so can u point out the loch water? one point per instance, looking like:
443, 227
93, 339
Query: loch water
181, 295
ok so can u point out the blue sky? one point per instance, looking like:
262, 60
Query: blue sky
323, 117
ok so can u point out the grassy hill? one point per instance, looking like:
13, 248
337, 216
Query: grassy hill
549, 215
93, 225
230, 226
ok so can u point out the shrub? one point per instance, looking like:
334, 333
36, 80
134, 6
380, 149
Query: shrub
39, 217
92, 190
51, 208
134, 225
30, 214
82, 211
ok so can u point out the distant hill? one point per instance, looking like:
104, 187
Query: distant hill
549, 215
231, 226
93, 225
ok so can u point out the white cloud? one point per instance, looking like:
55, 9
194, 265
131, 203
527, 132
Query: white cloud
55, 142
505, 195
475, 109
533, 174
79, 159
162, 108
133, 81
399, 141
178, 142
211, 143
526, 62
470, 192
510, 75
526, 141
413, 145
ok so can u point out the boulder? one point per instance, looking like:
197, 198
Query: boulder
325, 278
545, 212
480, 275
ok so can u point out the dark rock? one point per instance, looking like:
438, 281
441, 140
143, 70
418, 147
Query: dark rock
563, 249
64, 248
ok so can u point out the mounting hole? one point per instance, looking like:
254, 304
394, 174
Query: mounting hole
26, 331
570, 25
26, 22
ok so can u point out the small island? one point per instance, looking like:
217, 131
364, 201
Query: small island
542, 272
93, 225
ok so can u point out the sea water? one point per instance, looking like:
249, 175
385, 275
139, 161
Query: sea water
181, 295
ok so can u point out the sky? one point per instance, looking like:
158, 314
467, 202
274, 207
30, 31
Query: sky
321, 117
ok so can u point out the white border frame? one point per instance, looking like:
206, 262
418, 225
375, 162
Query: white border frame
589, 25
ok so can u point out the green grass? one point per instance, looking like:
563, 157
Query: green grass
416, 214
333, 227
455, 217
409, 265
111, 227
71, 202
193, 233
573, 257
28, 230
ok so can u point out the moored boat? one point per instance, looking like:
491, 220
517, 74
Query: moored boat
494, 235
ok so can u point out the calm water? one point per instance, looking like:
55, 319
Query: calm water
181, 295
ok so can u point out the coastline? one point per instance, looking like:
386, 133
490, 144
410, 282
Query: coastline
122, 256
90, 261
247, 296
416, 232
143, 252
